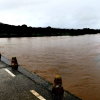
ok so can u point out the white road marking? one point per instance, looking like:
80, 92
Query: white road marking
10, 72
37, 95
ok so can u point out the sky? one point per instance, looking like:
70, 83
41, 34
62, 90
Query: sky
76, 14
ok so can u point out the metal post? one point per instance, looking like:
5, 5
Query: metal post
57, 89
14, 63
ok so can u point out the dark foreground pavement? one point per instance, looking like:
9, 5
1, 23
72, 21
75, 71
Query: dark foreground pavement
19, 87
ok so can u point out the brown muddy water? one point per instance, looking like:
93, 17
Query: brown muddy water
76, 59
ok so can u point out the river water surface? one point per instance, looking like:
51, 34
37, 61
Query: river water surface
76, 59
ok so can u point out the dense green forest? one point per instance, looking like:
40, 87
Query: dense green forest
7, 30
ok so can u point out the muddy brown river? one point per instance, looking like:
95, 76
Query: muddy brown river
76, 59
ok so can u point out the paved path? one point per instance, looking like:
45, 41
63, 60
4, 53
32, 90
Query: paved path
23, 85
15, 87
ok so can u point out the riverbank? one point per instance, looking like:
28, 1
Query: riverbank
7, 30
38, 80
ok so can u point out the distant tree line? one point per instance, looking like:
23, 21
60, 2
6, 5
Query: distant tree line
7, 30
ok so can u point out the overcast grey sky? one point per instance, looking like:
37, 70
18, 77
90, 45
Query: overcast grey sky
54, 13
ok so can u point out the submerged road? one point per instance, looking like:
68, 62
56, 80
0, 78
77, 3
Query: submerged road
23, 85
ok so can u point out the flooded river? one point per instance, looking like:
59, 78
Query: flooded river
76, 59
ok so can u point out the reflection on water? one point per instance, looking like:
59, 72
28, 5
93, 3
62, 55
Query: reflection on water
76, 59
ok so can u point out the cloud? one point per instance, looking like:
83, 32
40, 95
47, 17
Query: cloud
54, 13
14, 4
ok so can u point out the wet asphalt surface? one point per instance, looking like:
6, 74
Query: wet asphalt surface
18, 87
